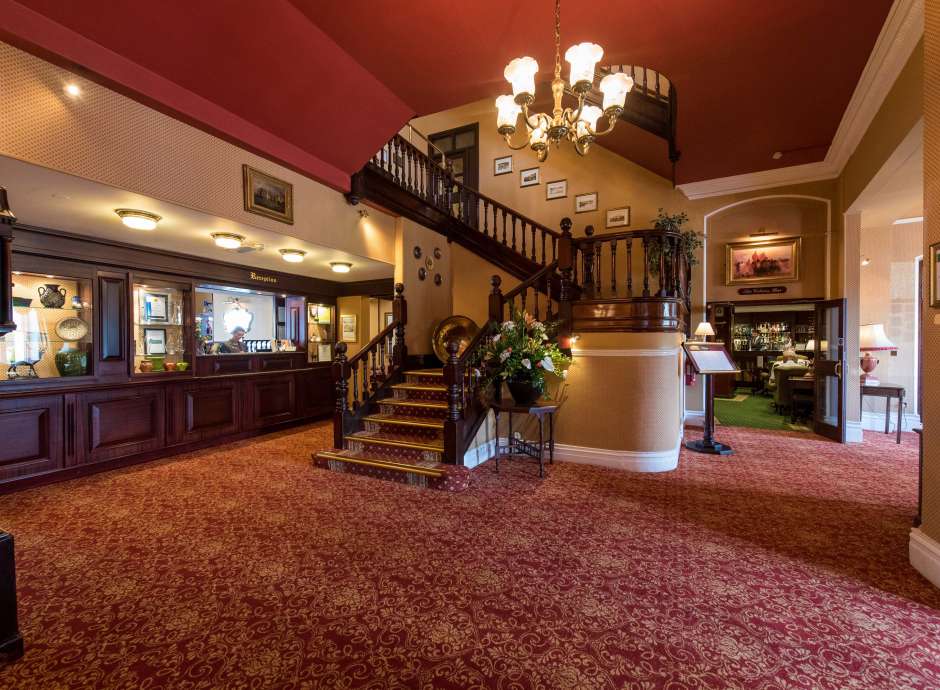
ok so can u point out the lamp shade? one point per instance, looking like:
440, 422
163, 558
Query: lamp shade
507, 112
538, 137
521, 74
872, 336
811, 344
615, 88
582, 58
587, 123
704, 329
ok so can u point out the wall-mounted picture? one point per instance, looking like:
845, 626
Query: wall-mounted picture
154, 341
349, 332
585, 202
769, 261
935, 275
268, 196
618, 217
156, 306
529, 177
557, 189
389, 318
502, 166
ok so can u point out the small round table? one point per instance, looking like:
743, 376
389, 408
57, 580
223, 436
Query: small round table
521, 446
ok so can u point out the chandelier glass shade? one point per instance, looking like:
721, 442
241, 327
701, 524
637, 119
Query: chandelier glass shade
579, 124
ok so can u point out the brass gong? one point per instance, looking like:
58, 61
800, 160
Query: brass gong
459, 328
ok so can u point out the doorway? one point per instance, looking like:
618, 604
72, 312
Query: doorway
459, 148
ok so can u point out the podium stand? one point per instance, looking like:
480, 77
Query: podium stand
709, 359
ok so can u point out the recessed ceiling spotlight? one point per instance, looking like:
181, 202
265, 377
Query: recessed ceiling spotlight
341, 266
777, 155
138, 220
72, 90
912, 219
866, 261
294, 256
228, 240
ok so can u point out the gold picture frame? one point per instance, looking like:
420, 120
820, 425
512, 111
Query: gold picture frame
349, 328
934, 274
268, 196
763, 262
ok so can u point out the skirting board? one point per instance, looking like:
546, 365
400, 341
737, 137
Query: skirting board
924, 554
875, 421
853, 432
630, 460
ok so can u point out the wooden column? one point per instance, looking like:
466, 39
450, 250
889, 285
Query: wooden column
453, 422
565, 265
340, 379
7, 219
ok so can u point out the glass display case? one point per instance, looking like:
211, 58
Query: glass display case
53, 336
232, 320
161, 343
320, 326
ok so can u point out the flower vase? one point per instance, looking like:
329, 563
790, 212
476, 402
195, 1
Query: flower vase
523, 392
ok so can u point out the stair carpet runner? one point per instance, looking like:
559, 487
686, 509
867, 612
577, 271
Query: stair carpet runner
404, 440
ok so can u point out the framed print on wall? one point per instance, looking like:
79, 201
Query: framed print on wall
935, 275
529, 177
557, 189
618, 217
156, 306
585, 202
268, 196
502, 165
348, 328
154, 341
768, 261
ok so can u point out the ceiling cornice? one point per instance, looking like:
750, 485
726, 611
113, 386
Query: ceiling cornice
902, 30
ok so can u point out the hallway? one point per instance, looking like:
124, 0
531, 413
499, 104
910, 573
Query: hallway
244, 566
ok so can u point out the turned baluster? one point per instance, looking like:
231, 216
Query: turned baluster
588, 258
514, 232
355, 380
400, 315
613, 266
503, 212
486, 224
646, 266
382, 358
396, 155
629, 267
532, 256
535, 295
598, 283
523, 238
454, 397
543, 247
664, 246
523, 297
677, 267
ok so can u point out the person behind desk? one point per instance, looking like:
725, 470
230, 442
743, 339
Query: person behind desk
235, 344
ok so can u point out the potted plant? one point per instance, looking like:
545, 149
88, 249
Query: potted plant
522, 354
689, 243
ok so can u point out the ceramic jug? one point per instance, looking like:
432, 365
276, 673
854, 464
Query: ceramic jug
52, 296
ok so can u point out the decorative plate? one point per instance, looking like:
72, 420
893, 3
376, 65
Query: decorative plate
438, 279
437, 253
460, 328
417, 252
71, 329
422, 273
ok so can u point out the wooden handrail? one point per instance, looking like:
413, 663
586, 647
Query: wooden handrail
374, 343
531, 281
626, 234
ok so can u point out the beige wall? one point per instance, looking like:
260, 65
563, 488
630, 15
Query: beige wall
357, 306
428, 304
931, 411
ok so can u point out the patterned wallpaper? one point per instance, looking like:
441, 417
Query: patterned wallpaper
931, 413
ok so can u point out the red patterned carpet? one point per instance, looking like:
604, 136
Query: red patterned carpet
783, 567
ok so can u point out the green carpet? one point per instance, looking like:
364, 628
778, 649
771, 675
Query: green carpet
753, 411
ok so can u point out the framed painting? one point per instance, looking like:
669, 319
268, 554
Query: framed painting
502, 165
618, 217
529, 177
268, 196
156, 307
768, 261
583, 203
154, 341
557, 189
349, 331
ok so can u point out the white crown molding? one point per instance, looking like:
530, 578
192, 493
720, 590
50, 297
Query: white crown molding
899, 36
638, 352
924, 554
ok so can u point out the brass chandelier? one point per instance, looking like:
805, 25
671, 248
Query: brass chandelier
578, 125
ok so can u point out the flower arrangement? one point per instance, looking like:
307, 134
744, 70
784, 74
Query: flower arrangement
522, 353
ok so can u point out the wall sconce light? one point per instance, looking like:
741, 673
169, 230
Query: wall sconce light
138, 220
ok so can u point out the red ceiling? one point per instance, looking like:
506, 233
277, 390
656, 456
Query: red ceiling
320, 85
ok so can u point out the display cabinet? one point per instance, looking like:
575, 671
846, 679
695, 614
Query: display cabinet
162, 341
53, 337
320, 326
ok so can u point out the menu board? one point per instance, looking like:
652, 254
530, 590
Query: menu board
710, 358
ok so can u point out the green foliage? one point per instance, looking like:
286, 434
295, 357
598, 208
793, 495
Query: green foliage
690, 242
523, 350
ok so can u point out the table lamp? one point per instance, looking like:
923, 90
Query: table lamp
872, 338
703, 330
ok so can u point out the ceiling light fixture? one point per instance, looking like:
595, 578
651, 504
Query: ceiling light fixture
294, 256
138, 220
912, 219
228, 240
340, 266
578, 125
72, 90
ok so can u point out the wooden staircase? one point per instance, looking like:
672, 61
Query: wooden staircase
404, 440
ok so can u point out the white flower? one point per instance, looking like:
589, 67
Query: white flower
564, 374
547, 364
503, 356
497, 337
527, 364
508, 325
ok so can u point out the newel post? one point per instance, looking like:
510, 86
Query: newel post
566, 256
399, 314
587, 251
340, 379
496, 300
453, 378
7, 219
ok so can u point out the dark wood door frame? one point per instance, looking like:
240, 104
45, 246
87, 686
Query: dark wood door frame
828, 368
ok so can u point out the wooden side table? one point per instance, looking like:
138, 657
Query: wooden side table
887, 391
522, 446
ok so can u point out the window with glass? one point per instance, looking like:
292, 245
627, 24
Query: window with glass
53, 336
320, 327
161, 343
232, 320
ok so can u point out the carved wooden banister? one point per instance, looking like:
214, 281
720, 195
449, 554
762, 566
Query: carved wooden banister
358, 380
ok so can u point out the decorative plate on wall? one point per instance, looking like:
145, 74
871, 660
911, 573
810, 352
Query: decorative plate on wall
437, 253
422, 273
460, 328
438, 279
417, 252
